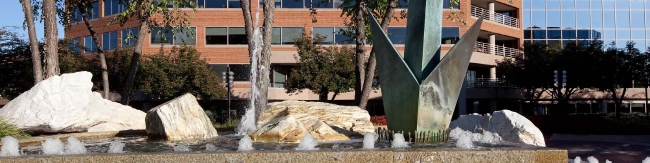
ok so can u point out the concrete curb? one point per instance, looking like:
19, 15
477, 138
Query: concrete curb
503, 155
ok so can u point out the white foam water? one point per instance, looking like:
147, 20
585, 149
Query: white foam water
210, 147
245, 144
464, 141
116, 147
74, 146
592, 159
485, 137
607, 161
399, 141
307, 143
181, 148
577, 160
646, 160
53, 146
10, 147
247, 123
369, 140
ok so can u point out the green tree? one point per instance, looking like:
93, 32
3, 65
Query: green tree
616, 72
322, 69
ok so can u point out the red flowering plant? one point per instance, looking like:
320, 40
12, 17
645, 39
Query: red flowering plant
378, 120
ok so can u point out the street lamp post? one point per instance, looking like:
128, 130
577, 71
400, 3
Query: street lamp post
227, 80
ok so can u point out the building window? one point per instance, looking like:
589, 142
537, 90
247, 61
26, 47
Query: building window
225, 36
112, 7
89, 45
74, 45
450, 35
160, 35
285, 35
109, 40
129, 37
93, 13
445, 4
242, 71
333, 35
237, 36
397, 35
306, 3
218, 4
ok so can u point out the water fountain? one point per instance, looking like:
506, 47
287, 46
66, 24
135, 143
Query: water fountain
417, 107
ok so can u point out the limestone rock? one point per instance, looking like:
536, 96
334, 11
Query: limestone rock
114, 116
66, 104
352, 120
179, 119
288, 129
323, 132
112, 96
516, 128
510, 126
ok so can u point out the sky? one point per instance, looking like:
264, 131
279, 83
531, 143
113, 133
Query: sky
11, 14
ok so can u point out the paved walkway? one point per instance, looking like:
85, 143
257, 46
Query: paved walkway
615, 152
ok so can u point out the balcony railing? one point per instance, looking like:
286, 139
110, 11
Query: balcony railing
497, 50
496, 17
487, 83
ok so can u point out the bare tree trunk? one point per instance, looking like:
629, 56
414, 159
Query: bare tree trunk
360, 38
100, 51
263, 78
372, 60
135, 62
51, 39
33, 41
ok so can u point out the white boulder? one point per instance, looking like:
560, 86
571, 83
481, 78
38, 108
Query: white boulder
66, 104
179, 119
326, 122
510, 126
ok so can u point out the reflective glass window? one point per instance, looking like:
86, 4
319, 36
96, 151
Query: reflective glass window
289, 34
638, 34
568, 19
583, 34
216, 36
568, 4
554, 34
622, 19
582, 4
293, 4
622, 5
328, 32
539, 34
552, 19
609, 19
568, 34
597, 19
538, 18
583, 19
450, 35
397, 35
637, 19
553, 4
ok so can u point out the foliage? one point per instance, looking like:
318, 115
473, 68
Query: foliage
379, 120
15, 65
322, 69
147, 11
229, 125
9, 129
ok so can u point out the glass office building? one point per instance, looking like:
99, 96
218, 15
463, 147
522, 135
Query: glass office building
560, 21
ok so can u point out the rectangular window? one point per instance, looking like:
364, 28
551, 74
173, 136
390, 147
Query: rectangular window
622, 5
583, 34
327, 32
597, 19
447, 4
552, 4
293, 4
290, 33
450, 35
276, 39
622, 19
216, 35
623, 34
553, 19
609, 19
638, 34
109, 40
112, 7
185, 36
216, 3
538, 19
583, 19
637, 19
75, 17
161, 35
568, 4
92, 13
582, 4
527, 34
320, 3
569, 19
242, 71
568, 34
403, 4
237, 36
539, 34
554, 34
129, 37
74, 45
234, 4
538, 4
340, 37
397, 35
608, 5
89, 45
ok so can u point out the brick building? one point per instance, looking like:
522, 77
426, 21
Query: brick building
221, 39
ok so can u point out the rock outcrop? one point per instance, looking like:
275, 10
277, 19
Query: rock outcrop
323, 120
510, 126
179, 119
66, 104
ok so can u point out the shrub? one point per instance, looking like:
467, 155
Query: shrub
378, 120
9, 129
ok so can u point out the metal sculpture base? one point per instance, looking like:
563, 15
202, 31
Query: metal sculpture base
416, 97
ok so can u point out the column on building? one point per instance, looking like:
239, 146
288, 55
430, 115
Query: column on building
491, 10
492, 44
